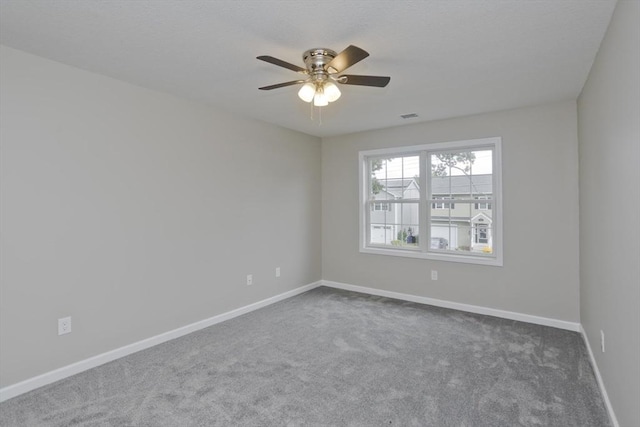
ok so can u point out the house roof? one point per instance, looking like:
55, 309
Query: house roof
456, 184
461, 184
397, 186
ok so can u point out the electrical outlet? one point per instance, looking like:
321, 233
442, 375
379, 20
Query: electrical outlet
434, 274
64, 326
277, 271
602, 341
249, 279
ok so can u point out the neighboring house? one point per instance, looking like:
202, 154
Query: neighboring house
467, 226
390, 219
464, 225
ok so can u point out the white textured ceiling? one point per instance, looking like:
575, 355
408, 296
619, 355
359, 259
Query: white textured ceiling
445, 58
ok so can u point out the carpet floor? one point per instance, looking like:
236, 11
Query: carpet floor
335, 358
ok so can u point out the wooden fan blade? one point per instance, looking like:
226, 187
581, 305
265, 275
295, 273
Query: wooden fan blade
345, 59
377, 81
279, 85
281, 63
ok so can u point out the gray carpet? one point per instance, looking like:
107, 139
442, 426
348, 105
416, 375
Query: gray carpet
335, 358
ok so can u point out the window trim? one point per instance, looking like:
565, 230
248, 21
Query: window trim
423, 250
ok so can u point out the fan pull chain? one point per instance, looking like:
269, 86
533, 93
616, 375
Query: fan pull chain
319, 114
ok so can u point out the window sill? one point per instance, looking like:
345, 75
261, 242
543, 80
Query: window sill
436, 256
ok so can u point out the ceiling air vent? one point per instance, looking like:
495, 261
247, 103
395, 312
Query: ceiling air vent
409, 116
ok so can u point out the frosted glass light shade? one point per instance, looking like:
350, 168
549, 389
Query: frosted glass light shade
320, 100
331, 91
307, 91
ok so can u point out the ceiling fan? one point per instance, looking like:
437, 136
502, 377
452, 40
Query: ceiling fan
323, 67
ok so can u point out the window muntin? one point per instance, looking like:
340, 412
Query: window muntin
419, 223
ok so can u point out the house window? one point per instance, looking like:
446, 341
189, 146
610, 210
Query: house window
483, 206
414, 196
442, 205
381, 207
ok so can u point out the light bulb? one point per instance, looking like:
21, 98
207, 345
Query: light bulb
320, 100
332, 91
307, 91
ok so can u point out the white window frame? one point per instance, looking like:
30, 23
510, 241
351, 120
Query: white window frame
424, 251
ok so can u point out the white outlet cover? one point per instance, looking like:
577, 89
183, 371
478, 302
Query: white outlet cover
64, 326
277, 271
434, 274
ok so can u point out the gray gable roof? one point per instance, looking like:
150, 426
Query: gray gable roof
397, 186
440, 185
462, 184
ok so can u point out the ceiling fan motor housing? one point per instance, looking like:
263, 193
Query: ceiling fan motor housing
316, 61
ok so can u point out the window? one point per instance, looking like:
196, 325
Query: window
442, 205
381, 207
483, 206
434, 201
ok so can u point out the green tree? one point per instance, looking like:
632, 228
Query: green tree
460, 161
376, 185
446, 161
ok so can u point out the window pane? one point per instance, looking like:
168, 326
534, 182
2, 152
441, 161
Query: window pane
397, 226
460, 175
394, 178
464, 224
463, 229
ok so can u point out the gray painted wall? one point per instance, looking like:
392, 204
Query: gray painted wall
609, 134
540, 197
136, 213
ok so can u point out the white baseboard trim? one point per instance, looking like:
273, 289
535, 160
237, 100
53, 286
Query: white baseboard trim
594, 365
545, 321
75, 368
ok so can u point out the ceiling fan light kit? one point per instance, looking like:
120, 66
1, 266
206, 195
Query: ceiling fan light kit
307, 92
323, 67
332, 91
320, 99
